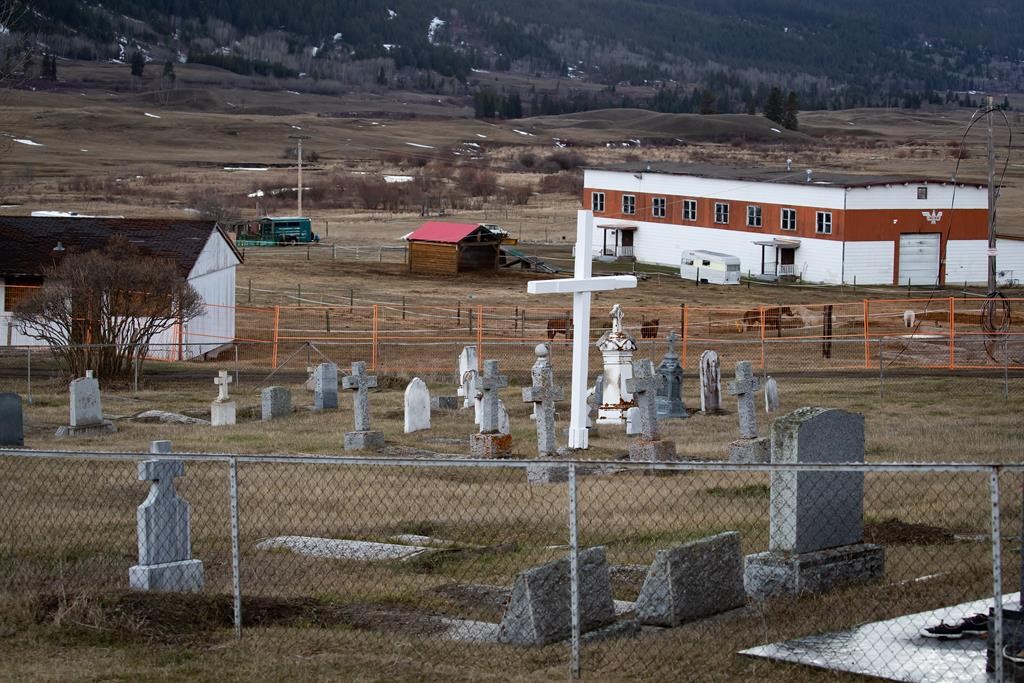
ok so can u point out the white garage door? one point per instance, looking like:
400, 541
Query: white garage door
919, 258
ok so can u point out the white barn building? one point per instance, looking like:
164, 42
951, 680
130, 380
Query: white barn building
818, 226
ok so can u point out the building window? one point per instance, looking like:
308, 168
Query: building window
922, 193
597, 202
721, 213
629, 204
689, 209
658, 207
789, 219
753, 216
823, 225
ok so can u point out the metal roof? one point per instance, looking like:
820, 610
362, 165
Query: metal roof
448, 233
798, 176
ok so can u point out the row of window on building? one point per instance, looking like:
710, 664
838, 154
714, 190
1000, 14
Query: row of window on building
659, 209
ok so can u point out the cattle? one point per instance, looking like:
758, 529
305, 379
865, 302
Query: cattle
649, 328
772, 318
561, 326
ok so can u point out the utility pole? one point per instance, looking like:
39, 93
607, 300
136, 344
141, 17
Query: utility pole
992, 194
300, 138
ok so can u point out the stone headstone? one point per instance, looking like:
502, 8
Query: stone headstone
538, 613
693, 581
363, 438
164, 531
467, 372
710, 383
771, 395
310, 383
417, 406
490, 442
86, 408
12, 422
815, 518
649, 447
670, 390
633, 422
325, 387
542, 394
504, 424
445, 402
749, 447
223, 410
617, 347
275, 403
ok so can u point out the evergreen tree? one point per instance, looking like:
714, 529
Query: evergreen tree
707, 102
773, 108
789, 115
138, 63
169, 76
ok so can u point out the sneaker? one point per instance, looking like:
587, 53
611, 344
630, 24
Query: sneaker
1011, 656
974, 625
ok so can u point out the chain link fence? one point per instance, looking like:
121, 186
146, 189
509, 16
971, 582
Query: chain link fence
462, 569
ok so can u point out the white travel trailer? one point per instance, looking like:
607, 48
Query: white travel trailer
710, 267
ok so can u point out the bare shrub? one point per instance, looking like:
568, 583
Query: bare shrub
562, 183
213, 204
478, 182
517, 194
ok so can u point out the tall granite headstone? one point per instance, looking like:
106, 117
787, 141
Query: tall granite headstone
275, 403
325, 387
710, 383
417, 406
12, 421
670, 390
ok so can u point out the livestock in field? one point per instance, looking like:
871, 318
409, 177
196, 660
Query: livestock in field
561, 326
909, 318
772, 318
649, 328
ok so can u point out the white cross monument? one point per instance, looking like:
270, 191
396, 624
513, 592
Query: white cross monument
580, 286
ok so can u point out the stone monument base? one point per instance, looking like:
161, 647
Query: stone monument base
490, 446
768, 575
756, 450
444, 402
364, 441
556, 473
653, 451
222, 414
668, 408
105, 427
185, 576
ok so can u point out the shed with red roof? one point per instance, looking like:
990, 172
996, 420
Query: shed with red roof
441, 248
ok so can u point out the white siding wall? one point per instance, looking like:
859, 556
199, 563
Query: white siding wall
968, 260
816, 260
871, 263
900, 196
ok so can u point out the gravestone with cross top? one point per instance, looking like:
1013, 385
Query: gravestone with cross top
749, 447
359, 383
223, 410
490, 442
650, 447
543, 395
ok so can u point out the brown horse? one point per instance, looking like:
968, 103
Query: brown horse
561, 326
649, 328
772, 318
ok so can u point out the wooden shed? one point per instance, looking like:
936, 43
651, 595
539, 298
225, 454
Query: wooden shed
441, 248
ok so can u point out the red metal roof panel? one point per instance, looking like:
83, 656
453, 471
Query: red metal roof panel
439, 231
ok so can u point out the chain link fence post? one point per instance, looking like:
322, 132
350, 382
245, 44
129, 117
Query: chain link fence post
28, 372
236, 573
997, 576
574, 578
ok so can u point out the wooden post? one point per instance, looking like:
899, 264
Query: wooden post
480, 335
334, 252
299, 294
250, 290
277, 326
327, 228
349, 299
762, 333
685, 333
952, 325
867, 340
403, 308
374, 339
327, 320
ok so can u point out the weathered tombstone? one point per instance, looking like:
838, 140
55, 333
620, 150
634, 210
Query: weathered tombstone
417, 406
325, 387
815, 518
310, 383
670, 390
710, 383
693, 581
649, 447
275, 402
594, 404
749, 447
444, 402
538, 612
771, 395
617, 347
467, 371
504, 424
633, 421
12, 421
363, 437
164, 531
543, 395
86, 409
490, 442
223, 409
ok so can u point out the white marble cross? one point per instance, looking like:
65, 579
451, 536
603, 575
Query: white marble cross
222, 381
580, 286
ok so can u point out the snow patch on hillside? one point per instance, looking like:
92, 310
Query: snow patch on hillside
435, 24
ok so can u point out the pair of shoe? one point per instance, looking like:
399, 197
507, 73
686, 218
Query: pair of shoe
974, 625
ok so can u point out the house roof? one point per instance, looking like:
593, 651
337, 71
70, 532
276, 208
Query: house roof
798, 176
27, 243
448, 233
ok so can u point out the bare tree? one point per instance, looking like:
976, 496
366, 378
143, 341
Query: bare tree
15, 58
100, 309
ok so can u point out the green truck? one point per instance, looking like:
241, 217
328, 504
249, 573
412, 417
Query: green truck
271, 230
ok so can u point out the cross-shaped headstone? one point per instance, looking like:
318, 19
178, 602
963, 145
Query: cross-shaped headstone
581, 286
543, 395
222, 380
487, 385
163, 519
360, 383
744, 388
644, 387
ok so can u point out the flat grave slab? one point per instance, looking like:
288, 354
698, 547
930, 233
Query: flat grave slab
341, 549
894, 649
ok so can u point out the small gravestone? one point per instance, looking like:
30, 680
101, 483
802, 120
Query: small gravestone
223, 409
363, 437
467, 372
504, 424
417, 406
543, 394
325, 387
816, 519
633, 421
771, 395
275, 403
164, 531
12, 422
693, 581
490, 442
670, 390
710, 383
86, 409
649, 447
310, 383
538, 612
594, 404
444, 402
749, 447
